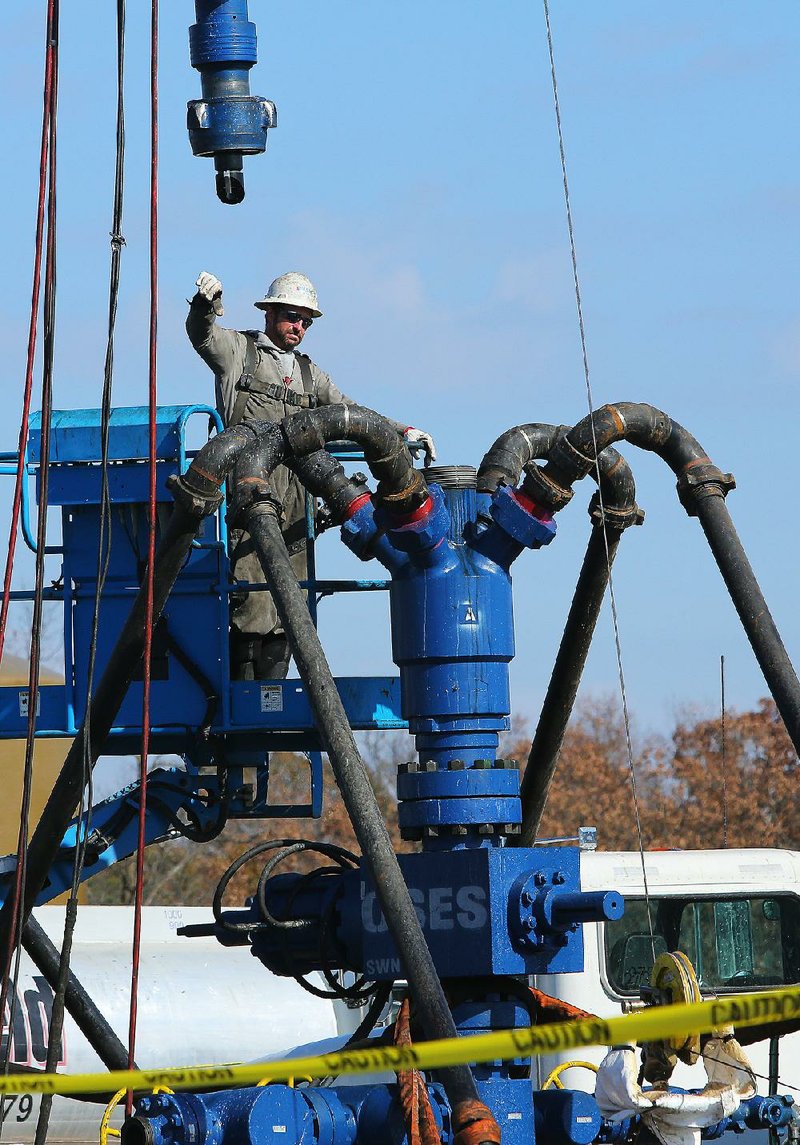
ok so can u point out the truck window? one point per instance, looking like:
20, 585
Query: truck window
734, 943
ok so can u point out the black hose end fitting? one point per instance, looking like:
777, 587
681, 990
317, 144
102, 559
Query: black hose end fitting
197, 495
268, 505
137, 1131
699, 480
340, 499
247, 493
491, 477
408, 500
544, 490
324, 476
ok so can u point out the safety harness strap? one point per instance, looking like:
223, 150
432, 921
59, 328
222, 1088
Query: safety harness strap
249, 384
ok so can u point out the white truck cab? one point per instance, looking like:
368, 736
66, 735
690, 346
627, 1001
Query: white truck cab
735, 913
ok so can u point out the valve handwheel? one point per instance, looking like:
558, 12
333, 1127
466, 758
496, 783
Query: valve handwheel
554, 1077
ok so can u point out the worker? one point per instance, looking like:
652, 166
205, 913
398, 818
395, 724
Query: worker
264, 376
674, 1116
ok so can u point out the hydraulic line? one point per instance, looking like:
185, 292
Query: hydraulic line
702, 488
613, 511
401, 489
149, 618
564, 680
359, 798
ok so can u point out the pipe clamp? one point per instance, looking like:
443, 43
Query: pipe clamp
614, 516
703, 480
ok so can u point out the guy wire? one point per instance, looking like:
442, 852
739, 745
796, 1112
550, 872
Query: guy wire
722, 752
590, 402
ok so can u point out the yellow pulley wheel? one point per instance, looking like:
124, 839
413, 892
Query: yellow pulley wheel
674, 974
554, 1077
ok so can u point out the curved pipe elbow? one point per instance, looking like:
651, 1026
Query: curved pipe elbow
641, 424
254, 465
505, 460
198, 489
614, 503
401, 487
573, 455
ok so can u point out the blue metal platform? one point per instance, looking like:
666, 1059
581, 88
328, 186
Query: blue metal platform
196, 710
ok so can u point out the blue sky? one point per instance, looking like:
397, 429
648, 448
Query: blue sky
415, 177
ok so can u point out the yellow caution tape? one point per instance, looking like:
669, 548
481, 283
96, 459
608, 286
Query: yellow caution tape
644, 1026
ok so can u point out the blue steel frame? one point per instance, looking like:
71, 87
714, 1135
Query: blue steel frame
252, 718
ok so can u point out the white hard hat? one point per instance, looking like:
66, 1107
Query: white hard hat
292, 289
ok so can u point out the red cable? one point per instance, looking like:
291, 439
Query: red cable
44, 164
32, 327
151, 547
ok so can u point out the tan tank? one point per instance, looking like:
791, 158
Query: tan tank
47, 760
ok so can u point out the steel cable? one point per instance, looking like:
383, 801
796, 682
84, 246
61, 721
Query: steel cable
151, 548
103, 559
23, 433
723, 745
47, 178
590, 403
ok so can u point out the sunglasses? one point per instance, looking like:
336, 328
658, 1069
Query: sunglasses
293, 317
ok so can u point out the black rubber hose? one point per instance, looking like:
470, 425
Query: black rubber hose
357, 793
754, 613
564, 680
505, 460
324, 476
401, 487
702, 488
197, 494
86, 1015
619, 510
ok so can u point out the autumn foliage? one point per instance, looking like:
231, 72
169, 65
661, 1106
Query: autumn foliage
694, 788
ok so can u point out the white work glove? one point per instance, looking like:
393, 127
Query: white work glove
210, 288
424, 439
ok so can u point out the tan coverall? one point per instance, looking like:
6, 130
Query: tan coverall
253, 615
